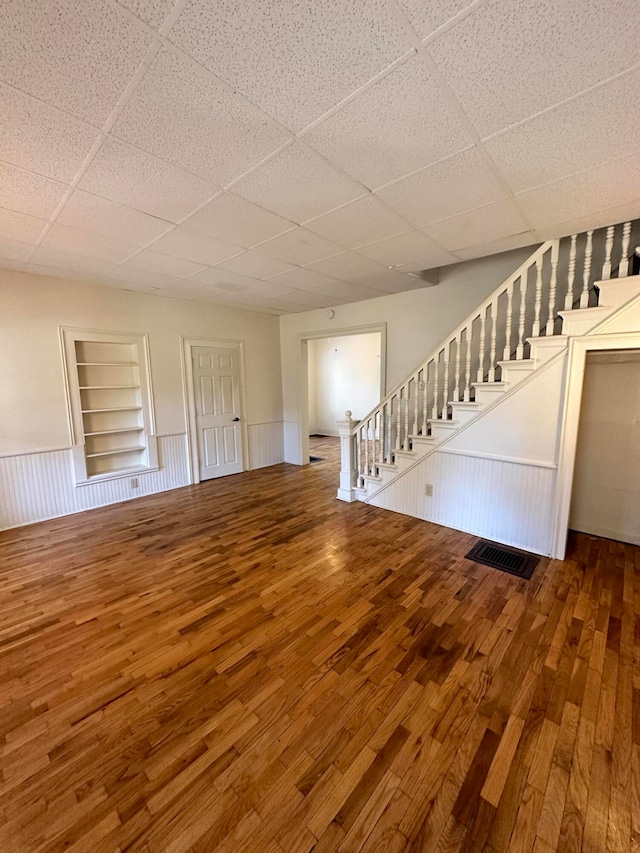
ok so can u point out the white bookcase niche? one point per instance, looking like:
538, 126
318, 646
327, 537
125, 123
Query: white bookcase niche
110, 404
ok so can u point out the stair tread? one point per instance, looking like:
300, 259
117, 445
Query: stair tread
465, 404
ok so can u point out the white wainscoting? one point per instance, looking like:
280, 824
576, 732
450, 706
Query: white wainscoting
37, 486
266, 444
497, 499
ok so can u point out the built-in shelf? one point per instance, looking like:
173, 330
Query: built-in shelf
119, 450
114, 409
110, 399
115, 431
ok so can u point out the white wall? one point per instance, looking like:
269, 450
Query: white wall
416, 322
344, 373
606, 485
33, 415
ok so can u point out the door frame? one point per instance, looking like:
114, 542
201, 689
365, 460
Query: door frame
189, 400
303, 362
576, 366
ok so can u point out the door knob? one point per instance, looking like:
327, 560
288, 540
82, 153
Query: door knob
236, 419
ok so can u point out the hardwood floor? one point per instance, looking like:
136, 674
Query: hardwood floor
250, 664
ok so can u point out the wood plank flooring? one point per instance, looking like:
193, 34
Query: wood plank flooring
252, 665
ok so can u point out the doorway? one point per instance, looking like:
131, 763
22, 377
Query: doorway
214, 385
605, 498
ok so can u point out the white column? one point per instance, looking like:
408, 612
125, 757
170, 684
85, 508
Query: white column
348, 473
623, 270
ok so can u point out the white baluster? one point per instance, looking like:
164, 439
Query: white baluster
436, 386
445, 384
492, 348
383, 433
398, 417
405, 443
416, 403
553, 286
367, 470
524, 284
481, 354
456, 387
538, 300
507, 336
571, 275
623, 269
608, 248
425, 400
588, 252
467, 372
359, 457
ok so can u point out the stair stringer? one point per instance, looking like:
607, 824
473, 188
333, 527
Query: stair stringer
502, 494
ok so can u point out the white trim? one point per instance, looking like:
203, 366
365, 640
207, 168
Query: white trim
303, 382
578, 349
497, 457
186, 345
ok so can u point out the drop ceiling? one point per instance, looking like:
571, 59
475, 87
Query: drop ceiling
281, 156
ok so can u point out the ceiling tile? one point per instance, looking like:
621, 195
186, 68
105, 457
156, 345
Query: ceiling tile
152, 12
300, 247
504, 244
183, 243
402, 249
225, 280
79, 242
349, 290
298, 184
255, 265
587, 193
461, 183
144, 278
28, 193
345, 266
476, 227
101, 216
19, 226
29, 126
610, 215
295, 60
14, 251
134, 178
182, 113
566, 140
425, 18
430, 263
363, 221
70, 262
148, 259
304, 279
236, 220
307, 300
82, 52
271, 290
509, 60
402, 123
389, 281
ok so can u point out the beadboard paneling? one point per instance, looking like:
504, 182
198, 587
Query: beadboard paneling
36, 486
266, 444
492, 498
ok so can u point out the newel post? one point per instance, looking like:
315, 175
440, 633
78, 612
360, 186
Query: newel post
346, 492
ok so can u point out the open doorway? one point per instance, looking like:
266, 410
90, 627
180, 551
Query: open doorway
343, 370
605, 498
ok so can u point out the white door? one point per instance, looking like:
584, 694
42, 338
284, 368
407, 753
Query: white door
216, 386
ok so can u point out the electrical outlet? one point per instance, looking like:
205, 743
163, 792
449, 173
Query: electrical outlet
134, 482
428, 490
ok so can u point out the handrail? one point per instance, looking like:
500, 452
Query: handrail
502, 287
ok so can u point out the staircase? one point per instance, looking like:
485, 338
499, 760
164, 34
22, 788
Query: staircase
567, 287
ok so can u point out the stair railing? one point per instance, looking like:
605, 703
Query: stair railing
558, 274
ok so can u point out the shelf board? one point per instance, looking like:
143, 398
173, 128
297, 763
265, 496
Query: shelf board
115, 431
115, 452
107, 387
112, 409
107, 363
